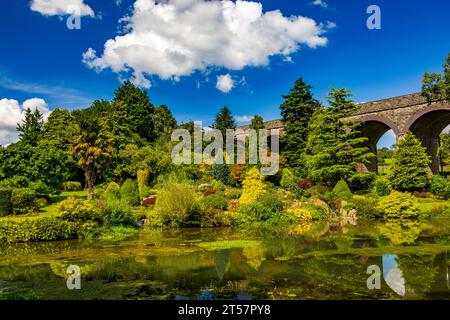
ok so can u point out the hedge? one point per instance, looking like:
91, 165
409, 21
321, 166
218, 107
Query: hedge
42, 229
5, 202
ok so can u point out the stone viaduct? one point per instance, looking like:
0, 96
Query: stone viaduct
401, 114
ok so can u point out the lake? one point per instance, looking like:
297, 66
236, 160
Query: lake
310, 261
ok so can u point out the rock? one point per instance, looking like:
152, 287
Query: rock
140, 223
321, 203
149, 201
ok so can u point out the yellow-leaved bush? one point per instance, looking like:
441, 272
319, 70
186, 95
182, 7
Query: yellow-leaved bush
252, 187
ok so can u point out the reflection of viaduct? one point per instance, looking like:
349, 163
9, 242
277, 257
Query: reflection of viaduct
401, 114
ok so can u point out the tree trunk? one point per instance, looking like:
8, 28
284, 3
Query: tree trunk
89, 177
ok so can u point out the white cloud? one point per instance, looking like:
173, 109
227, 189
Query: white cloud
320, 3
62, 8
330, 25
12, 113
243, 119
175, 38
225, 83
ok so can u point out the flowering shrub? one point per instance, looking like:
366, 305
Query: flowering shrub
252, 187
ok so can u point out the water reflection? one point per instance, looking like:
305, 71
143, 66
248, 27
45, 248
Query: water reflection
324, 261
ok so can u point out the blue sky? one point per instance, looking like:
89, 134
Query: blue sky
42, 58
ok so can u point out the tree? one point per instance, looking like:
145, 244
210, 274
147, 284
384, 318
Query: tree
59, 129
257, 123
92, 148
139, 108
410, 162
163, 122
224, 120
435, 86
296, 112
31, 127
444, 151
334, 145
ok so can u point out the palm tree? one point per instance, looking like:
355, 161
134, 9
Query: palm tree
92, 148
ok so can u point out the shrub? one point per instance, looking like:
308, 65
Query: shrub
382, 186
440, 187
78, 210
15, 182
367, 207
118, 212
41, 229
41, 202
215, 201
203, 187
23, 201
362, 181
287, 179
233, 194
5, 202
129, 192
301, 214
112, 192
177, 205
237, 173
399, 205
267, 209
217, 185
253, 186
142, 180
72, 186
221, 172
147, 192
342, 191
41, 189
272, 201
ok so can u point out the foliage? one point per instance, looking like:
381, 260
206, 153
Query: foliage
399, 205
334, 145
41, 189
409, 169
119, 212
215, 201
435, 86
23, 201
382, 186
129, 192
41, 229
72, 186
221, 172
287, 179
59, 129
224, 120
366, 206
77, 210
257, 123
253, 186
142, 180
237, 173
31, 127
296, 112
138, 108
163, 122
112, 192
267, 209
177, 205
362, 181
342, 191
5, 202
217, 185
92, 148
440, 187
233, 194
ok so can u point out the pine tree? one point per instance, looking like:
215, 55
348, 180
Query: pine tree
59, 129
163, 122
31, 127
334, 145
296, 112
139, 108
224, 120
409, 169
257, 123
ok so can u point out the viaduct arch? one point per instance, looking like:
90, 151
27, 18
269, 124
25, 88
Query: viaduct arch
401, 114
